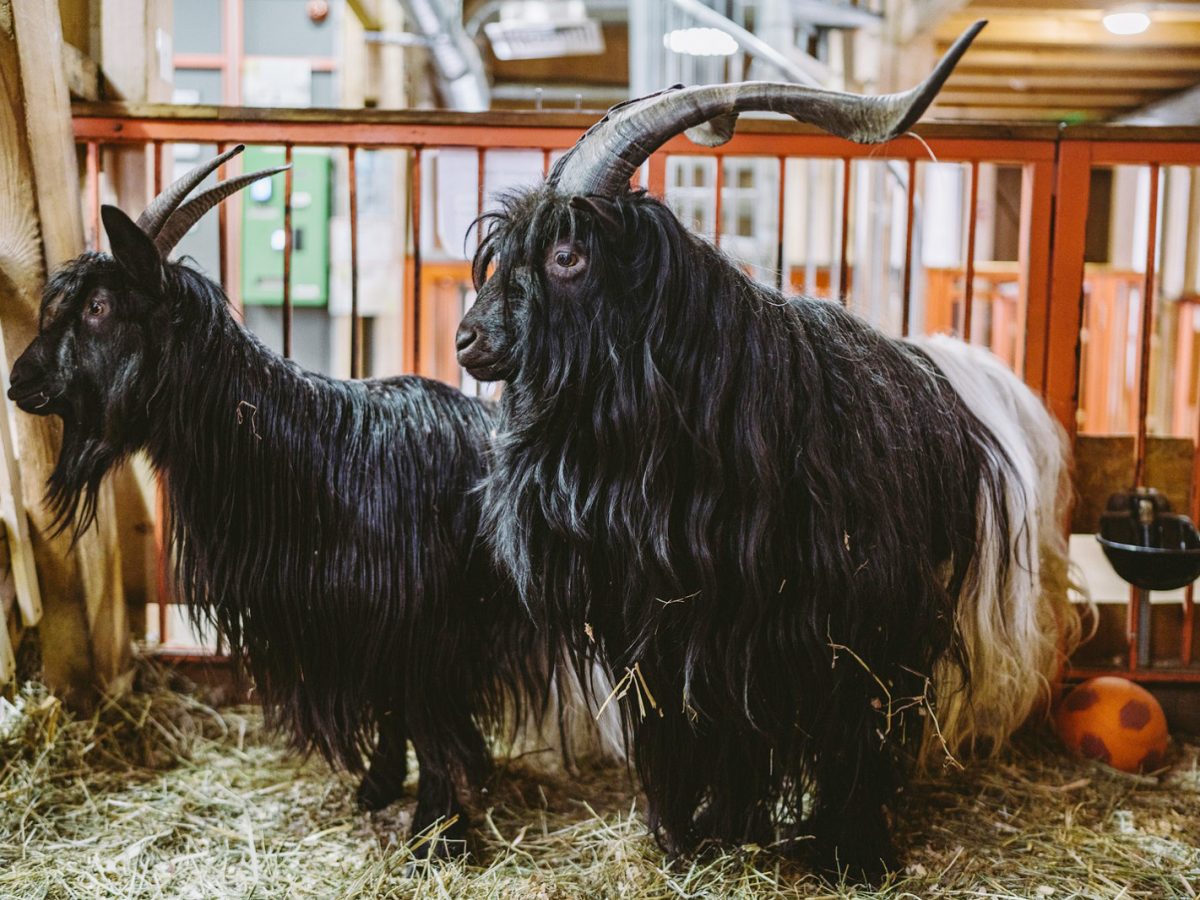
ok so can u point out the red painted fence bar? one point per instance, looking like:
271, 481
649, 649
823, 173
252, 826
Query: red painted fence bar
910, 204
1056, 166
288, 178
969, 278
355, 323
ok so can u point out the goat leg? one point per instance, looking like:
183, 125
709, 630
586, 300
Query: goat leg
856, 777
383, 783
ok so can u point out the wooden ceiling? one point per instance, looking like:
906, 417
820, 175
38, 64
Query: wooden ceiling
1055, 61
1036, 61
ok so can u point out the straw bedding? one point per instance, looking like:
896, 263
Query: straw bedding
161, 795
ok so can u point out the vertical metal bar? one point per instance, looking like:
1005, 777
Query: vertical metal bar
287, 252
1139, 600
93, 187
1187, 625
223, 232
1140, 633
656, 175
720, 189
781, 276
969, 285
844, 262
355, 323
158, 168
1147, 329
482, 174
1036, 238
163, 542
416, 239
911, 205
810, 221
1064, 309
546, 162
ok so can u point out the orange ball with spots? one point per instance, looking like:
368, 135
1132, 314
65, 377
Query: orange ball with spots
1114, 721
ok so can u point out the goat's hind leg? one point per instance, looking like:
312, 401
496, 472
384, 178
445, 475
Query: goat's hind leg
737, 809
383, 783
856, 780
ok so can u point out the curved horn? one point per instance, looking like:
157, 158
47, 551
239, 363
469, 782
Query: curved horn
155, 216
609, 153
190, 213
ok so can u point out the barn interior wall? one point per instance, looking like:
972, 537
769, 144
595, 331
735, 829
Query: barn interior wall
84, 632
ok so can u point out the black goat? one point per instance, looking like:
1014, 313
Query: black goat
328, 528
816, 551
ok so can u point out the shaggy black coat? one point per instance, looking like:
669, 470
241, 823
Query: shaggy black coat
758, 511
327, 528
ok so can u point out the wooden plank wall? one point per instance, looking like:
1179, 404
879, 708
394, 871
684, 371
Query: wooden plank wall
83, 630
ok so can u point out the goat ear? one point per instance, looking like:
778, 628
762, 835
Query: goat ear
604, 210
132, 247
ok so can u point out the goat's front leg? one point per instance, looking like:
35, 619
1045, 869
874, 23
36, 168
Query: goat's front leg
384, 782
855, 776
451, 752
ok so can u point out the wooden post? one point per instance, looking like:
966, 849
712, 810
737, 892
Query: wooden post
134, 52
83, 631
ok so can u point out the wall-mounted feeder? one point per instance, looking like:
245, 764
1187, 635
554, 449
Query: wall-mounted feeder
1151, 547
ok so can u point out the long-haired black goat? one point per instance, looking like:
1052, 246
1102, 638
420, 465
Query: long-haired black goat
816, 551
328, 528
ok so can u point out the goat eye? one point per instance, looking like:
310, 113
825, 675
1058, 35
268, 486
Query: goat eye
97, 309
565, 259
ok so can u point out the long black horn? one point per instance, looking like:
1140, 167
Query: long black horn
609, 153
190, 213
155, 216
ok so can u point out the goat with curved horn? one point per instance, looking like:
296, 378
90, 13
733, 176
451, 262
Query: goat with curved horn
604, 160
823, 556
328, 529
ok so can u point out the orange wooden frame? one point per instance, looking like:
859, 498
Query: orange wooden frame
1056, 163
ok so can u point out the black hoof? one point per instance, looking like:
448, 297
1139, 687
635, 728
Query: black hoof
856, 866
441, 841
854, 847
374, 795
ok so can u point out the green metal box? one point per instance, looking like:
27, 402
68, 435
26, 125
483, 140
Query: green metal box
262, 228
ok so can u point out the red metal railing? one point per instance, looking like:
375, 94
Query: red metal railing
1055, 165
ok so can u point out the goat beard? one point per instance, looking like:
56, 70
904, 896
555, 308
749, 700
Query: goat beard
93, 443
73, 488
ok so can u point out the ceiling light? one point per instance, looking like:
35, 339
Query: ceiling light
1126, 21
700, 42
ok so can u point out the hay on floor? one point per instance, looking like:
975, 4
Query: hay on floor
159, 795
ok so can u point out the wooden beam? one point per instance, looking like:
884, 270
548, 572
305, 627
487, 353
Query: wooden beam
14, 518
83, 633
1040, 99
1069, 80
1087, 9
48, 121
8, 659
368, 19
1062, 31
981, 113
988, 9
1014, 58
82, 74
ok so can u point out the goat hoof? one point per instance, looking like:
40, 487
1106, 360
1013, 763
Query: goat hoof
438, 843
376, 795
859, 866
